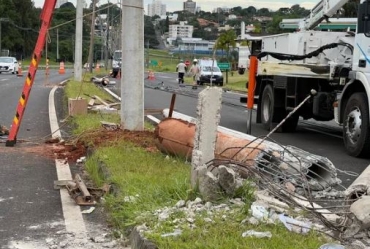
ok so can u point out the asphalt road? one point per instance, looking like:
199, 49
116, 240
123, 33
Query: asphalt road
321, 138
29, 207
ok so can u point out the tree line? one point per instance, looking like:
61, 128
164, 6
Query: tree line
20, 24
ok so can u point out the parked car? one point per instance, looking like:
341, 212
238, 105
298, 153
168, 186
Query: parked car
8, 65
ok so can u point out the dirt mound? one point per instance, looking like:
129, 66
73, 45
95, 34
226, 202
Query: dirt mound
75, 148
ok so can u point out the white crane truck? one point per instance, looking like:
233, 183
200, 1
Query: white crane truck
335, 64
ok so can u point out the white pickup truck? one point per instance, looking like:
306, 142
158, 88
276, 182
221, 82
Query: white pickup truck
210, 72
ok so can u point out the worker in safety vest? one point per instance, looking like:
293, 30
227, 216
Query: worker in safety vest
195, 72
181, 69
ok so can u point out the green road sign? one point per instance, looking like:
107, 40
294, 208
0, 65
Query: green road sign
224, 66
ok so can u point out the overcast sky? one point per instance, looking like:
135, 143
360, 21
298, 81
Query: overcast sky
209, 5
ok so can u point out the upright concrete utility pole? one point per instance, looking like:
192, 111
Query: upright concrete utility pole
92, 34
107, 38
78, 44
132, 80
58, 45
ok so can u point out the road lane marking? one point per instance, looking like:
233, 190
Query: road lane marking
72, 213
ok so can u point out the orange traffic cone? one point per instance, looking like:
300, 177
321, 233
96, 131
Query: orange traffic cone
151, 75
118, 76
19, 73
61, 68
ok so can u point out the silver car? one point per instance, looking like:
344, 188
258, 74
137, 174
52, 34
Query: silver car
8, 65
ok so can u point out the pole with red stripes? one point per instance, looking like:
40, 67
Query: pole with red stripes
253, 63
46, 17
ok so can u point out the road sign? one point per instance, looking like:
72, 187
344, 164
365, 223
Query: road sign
224, 66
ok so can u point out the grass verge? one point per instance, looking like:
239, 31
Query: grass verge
147, 182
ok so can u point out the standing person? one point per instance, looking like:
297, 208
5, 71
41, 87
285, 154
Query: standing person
181, 69
195, 71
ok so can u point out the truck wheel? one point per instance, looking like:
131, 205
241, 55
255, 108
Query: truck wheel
356, 132
267, 106
271, 114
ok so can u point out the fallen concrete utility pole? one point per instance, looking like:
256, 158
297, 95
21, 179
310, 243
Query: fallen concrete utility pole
360, 187
176, 136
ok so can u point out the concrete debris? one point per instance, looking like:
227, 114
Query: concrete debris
209, 187
295, 225
180, 204
101, 238
328, 194
81, 159
64, 240
177, 232
3, 130
273, 203
104, 109
88, 211
259, 212
253, 221
227, 179
252, 233
332, 246
216, 184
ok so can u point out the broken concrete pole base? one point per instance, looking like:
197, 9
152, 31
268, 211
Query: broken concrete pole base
227, 179
197, 168
215, 187
209, 187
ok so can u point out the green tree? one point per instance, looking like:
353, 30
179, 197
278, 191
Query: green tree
226, 41
20, 26
264, 12
350, 9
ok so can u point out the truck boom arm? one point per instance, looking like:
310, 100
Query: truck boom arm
323, 10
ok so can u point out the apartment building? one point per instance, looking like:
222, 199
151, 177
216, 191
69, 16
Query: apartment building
190, 6
181, 30
156, 8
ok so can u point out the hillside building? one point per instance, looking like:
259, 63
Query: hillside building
156, 8
181, 30
190, 6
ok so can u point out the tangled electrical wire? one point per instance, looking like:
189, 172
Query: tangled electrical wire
294, 177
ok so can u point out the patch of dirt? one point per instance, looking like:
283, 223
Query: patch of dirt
73, 149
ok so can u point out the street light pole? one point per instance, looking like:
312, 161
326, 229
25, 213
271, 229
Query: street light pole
92, 33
